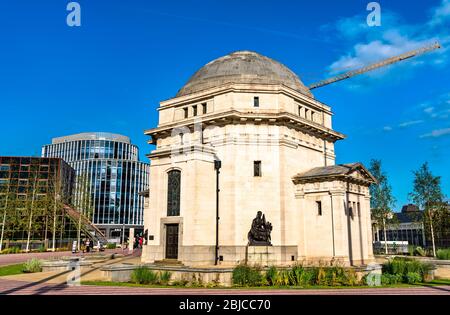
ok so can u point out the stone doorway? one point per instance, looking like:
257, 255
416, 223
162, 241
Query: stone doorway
171, 241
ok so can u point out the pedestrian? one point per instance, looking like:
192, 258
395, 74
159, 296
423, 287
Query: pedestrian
141, 239
88, 245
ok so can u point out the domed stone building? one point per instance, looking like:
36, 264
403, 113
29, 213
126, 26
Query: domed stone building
246, 135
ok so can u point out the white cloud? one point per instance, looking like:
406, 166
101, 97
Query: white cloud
439, 108
377, 50
410, 123
392, 38
436, 133
440, 13
387, 128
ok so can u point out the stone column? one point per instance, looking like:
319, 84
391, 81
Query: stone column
340, 225
369, 226
300, 204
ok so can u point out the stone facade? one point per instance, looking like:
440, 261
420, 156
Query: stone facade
240, 121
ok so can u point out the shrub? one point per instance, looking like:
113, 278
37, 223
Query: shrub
143, 275
180, 283
420, 251
111, 246
272, 275
32, 265
395, 266
387, 279
284, 278
443, 254
164, 277
296, 274
322, 278
413, 277
404, 266
308, 277
247, 276
411, 250
11, 250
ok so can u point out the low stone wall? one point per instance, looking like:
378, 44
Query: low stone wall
442, 270
62, 265
202, 276
219, 276
66, 262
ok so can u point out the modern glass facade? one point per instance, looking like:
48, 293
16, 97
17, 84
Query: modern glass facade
28, 186
115, 173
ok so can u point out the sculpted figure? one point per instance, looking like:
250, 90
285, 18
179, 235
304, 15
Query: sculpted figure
259, 234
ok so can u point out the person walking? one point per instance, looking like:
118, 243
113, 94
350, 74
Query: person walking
88, 246
140, 242
74, 247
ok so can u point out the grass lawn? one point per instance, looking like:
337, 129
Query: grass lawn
11, 270
401, 285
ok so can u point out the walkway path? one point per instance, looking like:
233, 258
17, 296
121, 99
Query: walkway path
10, 259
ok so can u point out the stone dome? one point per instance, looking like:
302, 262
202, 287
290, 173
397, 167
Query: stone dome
243, 67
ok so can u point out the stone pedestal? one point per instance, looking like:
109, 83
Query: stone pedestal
263, 256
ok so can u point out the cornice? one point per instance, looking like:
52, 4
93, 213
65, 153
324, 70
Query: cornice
236, 117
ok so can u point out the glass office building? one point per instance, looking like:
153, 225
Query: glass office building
28, 187
111, 164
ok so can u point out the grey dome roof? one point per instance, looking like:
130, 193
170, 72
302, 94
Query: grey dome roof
242, 67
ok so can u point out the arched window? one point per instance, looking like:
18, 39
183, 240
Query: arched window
173, 193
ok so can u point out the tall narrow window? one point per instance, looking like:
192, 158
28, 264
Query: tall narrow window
350, 209
204, 108
173, 193
257, 169
300, 111
319, 207
194, 109
256, 101
312, 116
186, 112
306, 113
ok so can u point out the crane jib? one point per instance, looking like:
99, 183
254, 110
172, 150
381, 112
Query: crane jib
377, 65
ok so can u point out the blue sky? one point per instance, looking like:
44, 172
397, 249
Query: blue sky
110, 73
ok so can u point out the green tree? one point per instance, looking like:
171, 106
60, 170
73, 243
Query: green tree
55, 204
382, 201
31, 208
427, 195
7, 206
83, 202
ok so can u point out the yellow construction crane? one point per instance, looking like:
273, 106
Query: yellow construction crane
376, 65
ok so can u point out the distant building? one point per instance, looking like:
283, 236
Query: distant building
23, 179
112, 165
408, 227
